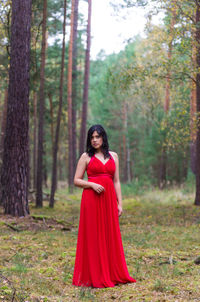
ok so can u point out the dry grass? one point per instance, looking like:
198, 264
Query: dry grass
160, 232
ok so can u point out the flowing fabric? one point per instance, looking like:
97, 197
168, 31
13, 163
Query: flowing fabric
100, 260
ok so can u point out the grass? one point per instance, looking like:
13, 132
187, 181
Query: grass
160, 232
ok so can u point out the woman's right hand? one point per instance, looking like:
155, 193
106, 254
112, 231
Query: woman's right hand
97, 188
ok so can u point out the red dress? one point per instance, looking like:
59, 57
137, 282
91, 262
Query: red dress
100, 260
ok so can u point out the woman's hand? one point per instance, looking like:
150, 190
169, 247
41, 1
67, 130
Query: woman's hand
119, 210
97, 188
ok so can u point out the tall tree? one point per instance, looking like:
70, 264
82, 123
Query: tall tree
55, 145
69, 102
197, 197
193, 103
51, 115
15, 166
74, 84
34, 138
86, 83
163, 164
39, 199
3, 123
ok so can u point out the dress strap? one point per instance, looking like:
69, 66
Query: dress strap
92, 158
111, 156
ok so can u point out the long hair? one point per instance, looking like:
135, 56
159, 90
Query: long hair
105, 146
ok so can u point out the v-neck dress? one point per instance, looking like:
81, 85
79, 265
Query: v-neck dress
100, 260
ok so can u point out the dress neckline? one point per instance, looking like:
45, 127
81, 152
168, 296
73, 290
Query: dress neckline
101, 160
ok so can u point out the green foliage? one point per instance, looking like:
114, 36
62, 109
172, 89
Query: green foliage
127, 90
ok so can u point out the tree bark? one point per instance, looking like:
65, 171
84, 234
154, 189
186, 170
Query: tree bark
3, 129
56, 142
163, 163
34, 138
86, 83
51, 114
126, 148
39, 198
197, 197
69, 102
193, 110
3, 122
128, 157
74, 85
15, 166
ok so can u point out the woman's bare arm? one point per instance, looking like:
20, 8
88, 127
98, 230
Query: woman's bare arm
79, 174
80, 171
117, 184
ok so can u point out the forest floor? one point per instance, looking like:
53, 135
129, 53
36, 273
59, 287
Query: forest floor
161, 237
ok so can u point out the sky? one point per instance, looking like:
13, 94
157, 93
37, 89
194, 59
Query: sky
109, 31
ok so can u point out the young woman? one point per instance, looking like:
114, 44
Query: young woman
100, 260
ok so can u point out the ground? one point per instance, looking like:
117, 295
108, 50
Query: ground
160, 232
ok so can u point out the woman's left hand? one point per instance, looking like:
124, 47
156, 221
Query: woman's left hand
120, 210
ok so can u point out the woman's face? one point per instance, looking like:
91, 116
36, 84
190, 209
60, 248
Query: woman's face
96, 140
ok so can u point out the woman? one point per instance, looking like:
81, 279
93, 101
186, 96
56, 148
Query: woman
100, 260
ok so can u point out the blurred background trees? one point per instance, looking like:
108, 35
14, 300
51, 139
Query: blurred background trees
146, 96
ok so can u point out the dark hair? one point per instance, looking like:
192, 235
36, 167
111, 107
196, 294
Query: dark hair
105, 146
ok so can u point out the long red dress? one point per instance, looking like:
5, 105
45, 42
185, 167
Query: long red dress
100, 260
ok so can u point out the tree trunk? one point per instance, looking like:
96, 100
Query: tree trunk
3, 129
15, 166
69, 102
197, 197
86, 83
3, 123
128, 158
163, 164
34, 138
193, 110
51, 114
126, 148
39, 199
74, 85
55, 146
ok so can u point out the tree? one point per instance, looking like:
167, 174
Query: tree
55, 146
69, 101
15, 166
3, 124
74, 84
39, 198
197, 196
163, 164
86, 83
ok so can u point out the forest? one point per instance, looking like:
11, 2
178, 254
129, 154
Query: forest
147, 97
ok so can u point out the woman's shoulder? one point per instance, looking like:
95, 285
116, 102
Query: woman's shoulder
84, 157
113, 154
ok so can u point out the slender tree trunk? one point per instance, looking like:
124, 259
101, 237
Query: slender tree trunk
39, 199
128, 158
126, 166
86, 83
15, 166
74, 85
69, 102
163, 163
193, 110
124, 156
34, 138
3, 123
55, 146
197, 197
51, 114
44, 169
3, 129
